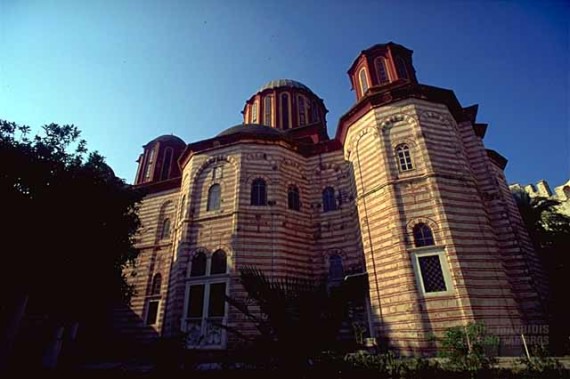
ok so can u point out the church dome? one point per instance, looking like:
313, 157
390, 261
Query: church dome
168, 138
285, 104
284, 83
159, 160
254, 129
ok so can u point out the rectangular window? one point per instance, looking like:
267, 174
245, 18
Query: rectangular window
431, 272
152, 312
217, 303
217, 173
196, 303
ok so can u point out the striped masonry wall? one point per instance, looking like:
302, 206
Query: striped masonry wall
493, 274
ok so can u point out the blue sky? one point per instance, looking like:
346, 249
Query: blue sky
125, 72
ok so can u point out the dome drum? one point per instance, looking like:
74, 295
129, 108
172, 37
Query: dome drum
284, 104
380, 66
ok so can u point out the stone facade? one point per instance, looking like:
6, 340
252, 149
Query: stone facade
405, 195
542, 189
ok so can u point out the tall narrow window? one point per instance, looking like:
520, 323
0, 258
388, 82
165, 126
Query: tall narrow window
219, 264
166, 163
214, 198
293, 198
258, 192
156, 283
198, 267
301, 109
404, 157
423, 235
381, 71
267, 110
182, 207
285, 111
363, 81
254, 113
149, 164
401, 68
313, 112
336, 270
329, 202
165, 233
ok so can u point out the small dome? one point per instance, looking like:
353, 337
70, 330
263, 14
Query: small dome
168, 138
284, 83
255, 129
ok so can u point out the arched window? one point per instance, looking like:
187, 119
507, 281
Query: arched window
166, 163
336, 270
258, 192
214, 197
198, 264
219, 263
401, 68
285, 111
363, 81
267, 110
149, 165
329, 202
404, 157
301, 109
165, 234
254, 113
422, 235
381, 71
293, 198
314, 112
156, 283
182, 207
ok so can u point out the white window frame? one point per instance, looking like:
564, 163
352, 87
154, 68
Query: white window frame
409, 164
431, 251
207, 281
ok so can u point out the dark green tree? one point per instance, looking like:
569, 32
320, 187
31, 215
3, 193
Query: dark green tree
549, 231
296, 318
68, 226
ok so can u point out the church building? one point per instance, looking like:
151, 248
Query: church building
404, 195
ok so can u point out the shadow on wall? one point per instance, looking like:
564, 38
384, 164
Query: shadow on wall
48, 341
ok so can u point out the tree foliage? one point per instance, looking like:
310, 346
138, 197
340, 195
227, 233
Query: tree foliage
295, 318
549, 231
68, 222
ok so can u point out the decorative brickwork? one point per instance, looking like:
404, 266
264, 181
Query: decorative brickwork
357, 202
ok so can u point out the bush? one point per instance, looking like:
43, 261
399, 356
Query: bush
464, 347
540, 364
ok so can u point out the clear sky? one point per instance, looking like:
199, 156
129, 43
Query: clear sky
126, 72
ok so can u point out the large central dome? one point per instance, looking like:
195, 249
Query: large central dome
285, 104
284, 83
